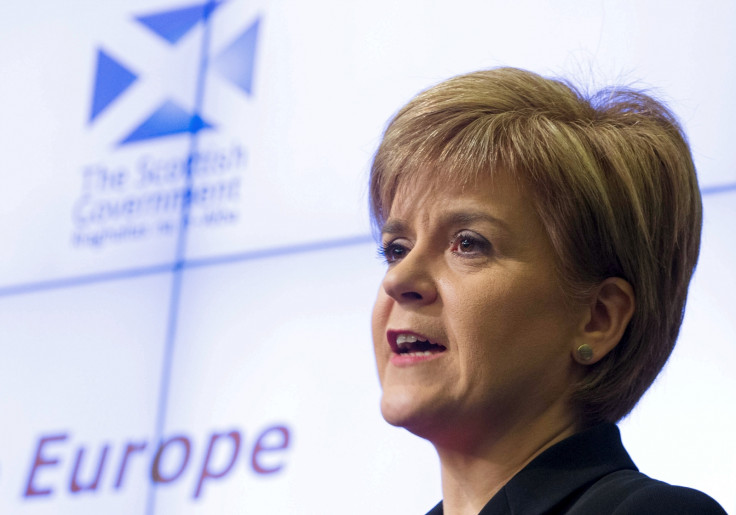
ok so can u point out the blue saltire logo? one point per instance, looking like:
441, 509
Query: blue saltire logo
235, 63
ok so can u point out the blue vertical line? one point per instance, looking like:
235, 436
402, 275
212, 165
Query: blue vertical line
180, 255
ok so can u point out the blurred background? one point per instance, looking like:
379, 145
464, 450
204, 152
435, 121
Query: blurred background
187, 269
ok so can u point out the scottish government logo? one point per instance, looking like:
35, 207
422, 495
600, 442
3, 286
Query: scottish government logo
137, 190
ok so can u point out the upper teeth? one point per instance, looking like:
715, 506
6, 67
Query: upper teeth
407, 338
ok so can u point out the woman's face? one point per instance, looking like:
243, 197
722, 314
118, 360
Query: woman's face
472, 274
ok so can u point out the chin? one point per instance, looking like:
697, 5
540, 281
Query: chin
398, 408
402, 409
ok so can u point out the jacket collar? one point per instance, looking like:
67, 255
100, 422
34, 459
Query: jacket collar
560, 474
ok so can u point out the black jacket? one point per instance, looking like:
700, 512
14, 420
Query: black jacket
591, 473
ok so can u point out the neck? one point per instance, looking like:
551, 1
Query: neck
472, 474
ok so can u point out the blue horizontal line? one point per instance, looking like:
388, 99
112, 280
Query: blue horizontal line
721, 188
83, 280
279, 251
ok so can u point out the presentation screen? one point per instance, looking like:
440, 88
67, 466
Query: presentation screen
188, 269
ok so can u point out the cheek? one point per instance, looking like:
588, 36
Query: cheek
379, 324
379, 321
529, 316
497, 313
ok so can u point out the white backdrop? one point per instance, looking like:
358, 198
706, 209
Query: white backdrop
225, 365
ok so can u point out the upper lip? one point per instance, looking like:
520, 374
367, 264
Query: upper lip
393, 334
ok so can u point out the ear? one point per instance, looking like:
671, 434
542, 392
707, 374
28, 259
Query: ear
607, 316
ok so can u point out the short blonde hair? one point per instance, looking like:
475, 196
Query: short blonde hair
612, 180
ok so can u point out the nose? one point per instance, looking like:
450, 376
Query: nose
411, 281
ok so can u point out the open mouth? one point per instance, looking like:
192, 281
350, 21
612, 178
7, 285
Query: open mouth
410, 344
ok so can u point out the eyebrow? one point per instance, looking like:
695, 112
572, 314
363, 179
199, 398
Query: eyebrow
466, 217
398, 225
394, 226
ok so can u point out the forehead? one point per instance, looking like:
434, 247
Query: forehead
435, 187
496, 197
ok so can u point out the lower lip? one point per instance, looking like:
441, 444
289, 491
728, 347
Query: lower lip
407, 360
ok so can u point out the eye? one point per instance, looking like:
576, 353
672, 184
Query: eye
469, 244
392, 251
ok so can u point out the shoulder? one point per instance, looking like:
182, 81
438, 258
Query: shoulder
628, 492
661, 498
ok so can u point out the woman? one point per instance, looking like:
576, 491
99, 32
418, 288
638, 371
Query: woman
539, 247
